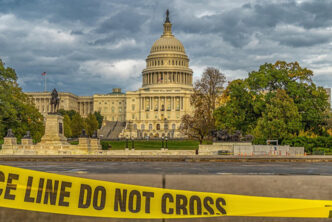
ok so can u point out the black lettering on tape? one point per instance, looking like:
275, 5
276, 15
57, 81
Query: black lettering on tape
84, 189
148, 196
2, 179
40, 190
51, 191
120, 200
207, 202
134, 195
219, 203
164, 203
181, 204
195, 201
10, 186
64, 193
27, 197
99, 205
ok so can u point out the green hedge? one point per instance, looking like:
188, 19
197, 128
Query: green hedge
311, 144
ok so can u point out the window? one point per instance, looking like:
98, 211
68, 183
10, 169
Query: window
135, 127
112, 109
133, 116
166, 126
150, 126
158, 126
133, 107
147, 116
120, 110
142, 127
173, 126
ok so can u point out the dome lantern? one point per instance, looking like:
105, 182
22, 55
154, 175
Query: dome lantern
167, 25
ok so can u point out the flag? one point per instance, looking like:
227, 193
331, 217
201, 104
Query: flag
43, 74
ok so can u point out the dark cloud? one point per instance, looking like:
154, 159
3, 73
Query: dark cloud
90, 46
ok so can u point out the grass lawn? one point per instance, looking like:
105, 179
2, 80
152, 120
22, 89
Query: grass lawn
152, 144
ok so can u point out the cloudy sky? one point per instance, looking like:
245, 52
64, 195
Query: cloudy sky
91, 46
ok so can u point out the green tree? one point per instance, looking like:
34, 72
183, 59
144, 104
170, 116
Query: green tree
310, 100
241, 110
67, 126
99, 118
280, 120
247, 100
16, 110
77, 125
91, 124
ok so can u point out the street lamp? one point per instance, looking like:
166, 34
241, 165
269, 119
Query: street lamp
166, 142
162, 142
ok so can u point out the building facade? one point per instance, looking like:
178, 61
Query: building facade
155, 109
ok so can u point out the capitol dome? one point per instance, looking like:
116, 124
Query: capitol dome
167, 62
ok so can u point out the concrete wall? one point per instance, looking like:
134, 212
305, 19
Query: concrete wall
247, 149
305, 187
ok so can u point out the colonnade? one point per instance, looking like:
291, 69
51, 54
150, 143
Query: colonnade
167, 77
162, 103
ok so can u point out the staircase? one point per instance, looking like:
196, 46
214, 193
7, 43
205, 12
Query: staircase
111, 129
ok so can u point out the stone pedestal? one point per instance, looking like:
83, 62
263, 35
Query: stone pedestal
26, 141
83, 143
95, 144
10, 141
54, 131
9, 145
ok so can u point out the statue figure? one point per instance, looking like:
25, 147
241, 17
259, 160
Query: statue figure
167, 16
94, 135
10, 133
27, 135
225, 136
83, 133
55, 101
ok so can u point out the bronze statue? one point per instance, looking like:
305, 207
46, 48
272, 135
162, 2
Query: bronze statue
55, 101
10, 133
225, 136
167, 16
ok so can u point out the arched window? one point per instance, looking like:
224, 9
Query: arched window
158, 126
150, 126
173, 62
158, 63
162, 62
135, 127
166, 126
176, 62
142, 127
173, 126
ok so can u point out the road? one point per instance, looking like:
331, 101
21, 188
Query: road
191, 168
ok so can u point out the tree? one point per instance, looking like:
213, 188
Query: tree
91, 124
67, 126
241, 109
310, 100
77, 125
17, 112
280, 120
203, 99
247, 100
99, 118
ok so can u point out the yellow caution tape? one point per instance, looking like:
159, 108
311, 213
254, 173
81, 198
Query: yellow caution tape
52, 193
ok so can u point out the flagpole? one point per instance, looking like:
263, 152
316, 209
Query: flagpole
44, 83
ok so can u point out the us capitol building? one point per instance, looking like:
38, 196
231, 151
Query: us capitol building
154, 110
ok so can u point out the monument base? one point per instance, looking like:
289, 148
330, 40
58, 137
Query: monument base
54, 131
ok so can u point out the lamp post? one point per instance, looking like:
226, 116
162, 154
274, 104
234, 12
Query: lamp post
166, 142
127, 142
132, 143
162, 142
